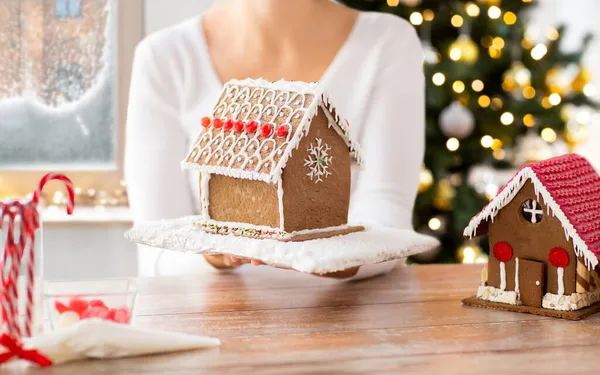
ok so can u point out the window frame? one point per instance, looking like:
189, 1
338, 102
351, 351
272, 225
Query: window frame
130, 30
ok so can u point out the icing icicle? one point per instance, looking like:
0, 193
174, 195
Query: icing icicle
561, 282
204, 195
517, 275
280, 201
502, 276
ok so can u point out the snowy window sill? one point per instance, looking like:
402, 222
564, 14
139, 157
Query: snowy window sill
87, 215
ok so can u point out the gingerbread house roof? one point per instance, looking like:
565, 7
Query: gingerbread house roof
257, 124
570, 188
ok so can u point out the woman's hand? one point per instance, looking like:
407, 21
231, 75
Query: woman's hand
221, 261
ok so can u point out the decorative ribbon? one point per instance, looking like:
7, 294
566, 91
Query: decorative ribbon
16, 350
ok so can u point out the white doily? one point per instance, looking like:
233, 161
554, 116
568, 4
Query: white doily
373, 245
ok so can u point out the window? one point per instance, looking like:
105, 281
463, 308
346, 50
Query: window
67, 8
63, 90
532, 211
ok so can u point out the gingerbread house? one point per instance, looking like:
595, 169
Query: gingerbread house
544, 234
275, 161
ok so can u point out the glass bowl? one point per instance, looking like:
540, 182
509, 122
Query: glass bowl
68, 302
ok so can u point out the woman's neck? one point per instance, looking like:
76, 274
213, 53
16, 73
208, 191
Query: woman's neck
278, 19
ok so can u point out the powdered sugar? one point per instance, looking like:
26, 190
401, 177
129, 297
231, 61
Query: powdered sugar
373, 245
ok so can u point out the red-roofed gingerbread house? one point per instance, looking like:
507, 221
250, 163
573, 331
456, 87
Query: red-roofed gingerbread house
275, 162
544, 234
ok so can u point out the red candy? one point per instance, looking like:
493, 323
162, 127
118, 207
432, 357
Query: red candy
558, 257
282, 131
266, 130
205, 122
94, 309
122, 315
218, 123
238, 126
60, 307
97, 303
228, 125
503, 251
95, 312
251, 126
78, 305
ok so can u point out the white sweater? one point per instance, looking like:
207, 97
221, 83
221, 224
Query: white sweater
375, 81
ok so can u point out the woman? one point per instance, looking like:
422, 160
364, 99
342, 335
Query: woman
369, 63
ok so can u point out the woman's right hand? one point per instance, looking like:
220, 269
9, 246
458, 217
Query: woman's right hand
221, 261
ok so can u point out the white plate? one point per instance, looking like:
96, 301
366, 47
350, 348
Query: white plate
373, 245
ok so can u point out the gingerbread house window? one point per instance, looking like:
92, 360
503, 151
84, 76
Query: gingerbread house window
532, 211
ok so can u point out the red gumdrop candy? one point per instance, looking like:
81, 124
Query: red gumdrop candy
282, 131
266, 130
122, 315
503, 251
95, 312
78, 305
558, 257
205, 122
228, 125
238, 126
60, 307
111, 314
218, 123
251, 126
97, 303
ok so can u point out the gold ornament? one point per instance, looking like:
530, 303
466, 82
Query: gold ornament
444, 195
516, 78
469, 253
464, 49
425, 179
581, 80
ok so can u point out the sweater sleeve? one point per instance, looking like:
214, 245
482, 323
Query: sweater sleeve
393, 141
155, 141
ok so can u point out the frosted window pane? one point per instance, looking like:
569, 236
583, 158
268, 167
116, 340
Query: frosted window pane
57, 84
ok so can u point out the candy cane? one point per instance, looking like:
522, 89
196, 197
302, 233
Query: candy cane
9, 279
58, 177
31, 217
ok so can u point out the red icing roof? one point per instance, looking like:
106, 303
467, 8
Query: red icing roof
574, 186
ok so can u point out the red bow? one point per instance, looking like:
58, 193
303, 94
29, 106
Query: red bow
16, 350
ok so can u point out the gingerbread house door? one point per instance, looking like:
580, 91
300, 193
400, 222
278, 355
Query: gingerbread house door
531, 282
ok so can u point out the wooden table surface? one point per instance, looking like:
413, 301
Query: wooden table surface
411, 321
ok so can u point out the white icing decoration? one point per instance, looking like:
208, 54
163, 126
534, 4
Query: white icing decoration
537, 282
204, 195
289, 92
575, 301
502, 276
489, 293
533, 211
284, 234
280, 200
318, 161
510, 191
517, 275
561, 282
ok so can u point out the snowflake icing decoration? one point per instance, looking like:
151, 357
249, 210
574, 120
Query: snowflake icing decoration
318, 161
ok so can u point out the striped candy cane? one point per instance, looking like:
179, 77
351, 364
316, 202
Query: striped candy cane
32, 220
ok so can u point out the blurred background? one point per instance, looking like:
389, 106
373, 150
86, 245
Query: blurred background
508, 82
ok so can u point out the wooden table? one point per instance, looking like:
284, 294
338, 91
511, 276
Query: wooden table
411, 321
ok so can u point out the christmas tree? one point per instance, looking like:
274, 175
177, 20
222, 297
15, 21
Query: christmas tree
497, 97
